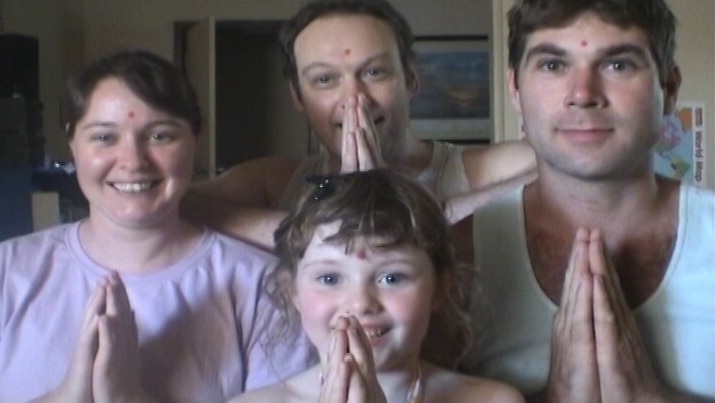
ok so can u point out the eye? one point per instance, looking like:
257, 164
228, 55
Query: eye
391, 278
323, 80
375, 72
622, 65
552, 65
161, 136
103, 138
328, 278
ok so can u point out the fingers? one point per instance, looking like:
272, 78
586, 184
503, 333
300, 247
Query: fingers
360, 143
576, 295
349, 158
574, 373
360, 348
335, 373
116, 368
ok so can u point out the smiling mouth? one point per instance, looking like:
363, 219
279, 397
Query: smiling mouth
133, 187
375, 333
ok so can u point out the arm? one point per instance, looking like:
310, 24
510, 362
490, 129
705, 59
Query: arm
240, 201
460, 206
500, 162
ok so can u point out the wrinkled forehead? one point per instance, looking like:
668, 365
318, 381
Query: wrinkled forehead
331, 34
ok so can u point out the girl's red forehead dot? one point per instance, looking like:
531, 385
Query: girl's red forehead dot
131, 114
584, 43
360, 253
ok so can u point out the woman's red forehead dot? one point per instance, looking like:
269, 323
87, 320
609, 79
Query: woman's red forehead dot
584, 43
346, 52
131, 114
361, 254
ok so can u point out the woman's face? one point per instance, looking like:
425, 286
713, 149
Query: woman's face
134, 162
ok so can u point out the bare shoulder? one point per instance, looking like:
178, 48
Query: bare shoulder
498, 162
447, 386
298, 388
273, 393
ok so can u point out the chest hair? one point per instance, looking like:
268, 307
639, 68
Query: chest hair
640, 261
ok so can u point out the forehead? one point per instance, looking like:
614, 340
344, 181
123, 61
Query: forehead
330, 35
318, 247
111, 94
588, 32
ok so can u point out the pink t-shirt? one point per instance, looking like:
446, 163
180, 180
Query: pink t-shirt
204, 324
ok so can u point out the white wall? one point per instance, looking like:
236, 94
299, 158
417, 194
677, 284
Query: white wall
695, 55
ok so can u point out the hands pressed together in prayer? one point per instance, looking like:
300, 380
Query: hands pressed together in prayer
361, 145
105, 365
597, 351
349, 375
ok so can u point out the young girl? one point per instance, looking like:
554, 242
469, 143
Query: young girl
366, 261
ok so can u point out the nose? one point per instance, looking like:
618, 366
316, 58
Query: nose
586, 89
361, 299
131, 154
352, 87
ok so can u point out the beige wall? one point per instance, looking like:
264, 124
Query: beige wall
695, 55
74, 31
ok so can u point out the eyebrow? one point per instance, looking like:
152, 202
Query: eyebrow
553, 50
544, 49
378, 57
154, 123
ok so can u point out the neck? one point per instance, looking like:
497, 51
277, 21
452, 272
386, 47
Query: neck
399, 384
618, 207
136, 250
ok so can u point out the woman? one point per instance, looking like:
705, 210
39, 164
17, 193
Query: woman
132, 121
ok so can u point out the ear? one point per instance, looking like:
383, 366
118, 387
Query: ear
671, 88
514, 93
72, 149
295, 97
413, 80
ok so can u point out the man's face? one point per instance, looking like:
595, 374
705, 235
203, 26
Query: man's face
590, 98
340, 56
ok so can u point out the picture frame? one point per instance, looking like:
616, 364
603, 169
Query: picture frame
453, 102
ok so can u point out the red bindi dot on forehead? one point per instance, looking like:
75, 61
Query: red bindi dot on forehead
130, 114
584, 43
347, 52
361, 254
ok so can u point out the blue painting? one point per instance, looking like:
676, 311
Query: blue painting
453, 85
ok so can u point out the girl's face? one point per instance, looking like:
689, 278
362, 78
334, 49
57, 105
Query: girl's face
390, 291
134, 162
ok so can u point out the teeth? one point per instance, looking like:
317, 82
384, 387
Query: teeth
132, 187
374, 333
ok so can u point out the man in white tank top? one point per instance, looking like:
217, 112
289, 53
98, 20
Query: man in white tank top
350, 67
600, 273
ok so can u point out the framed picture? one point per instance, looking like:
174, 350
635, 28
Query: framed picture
454, 100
